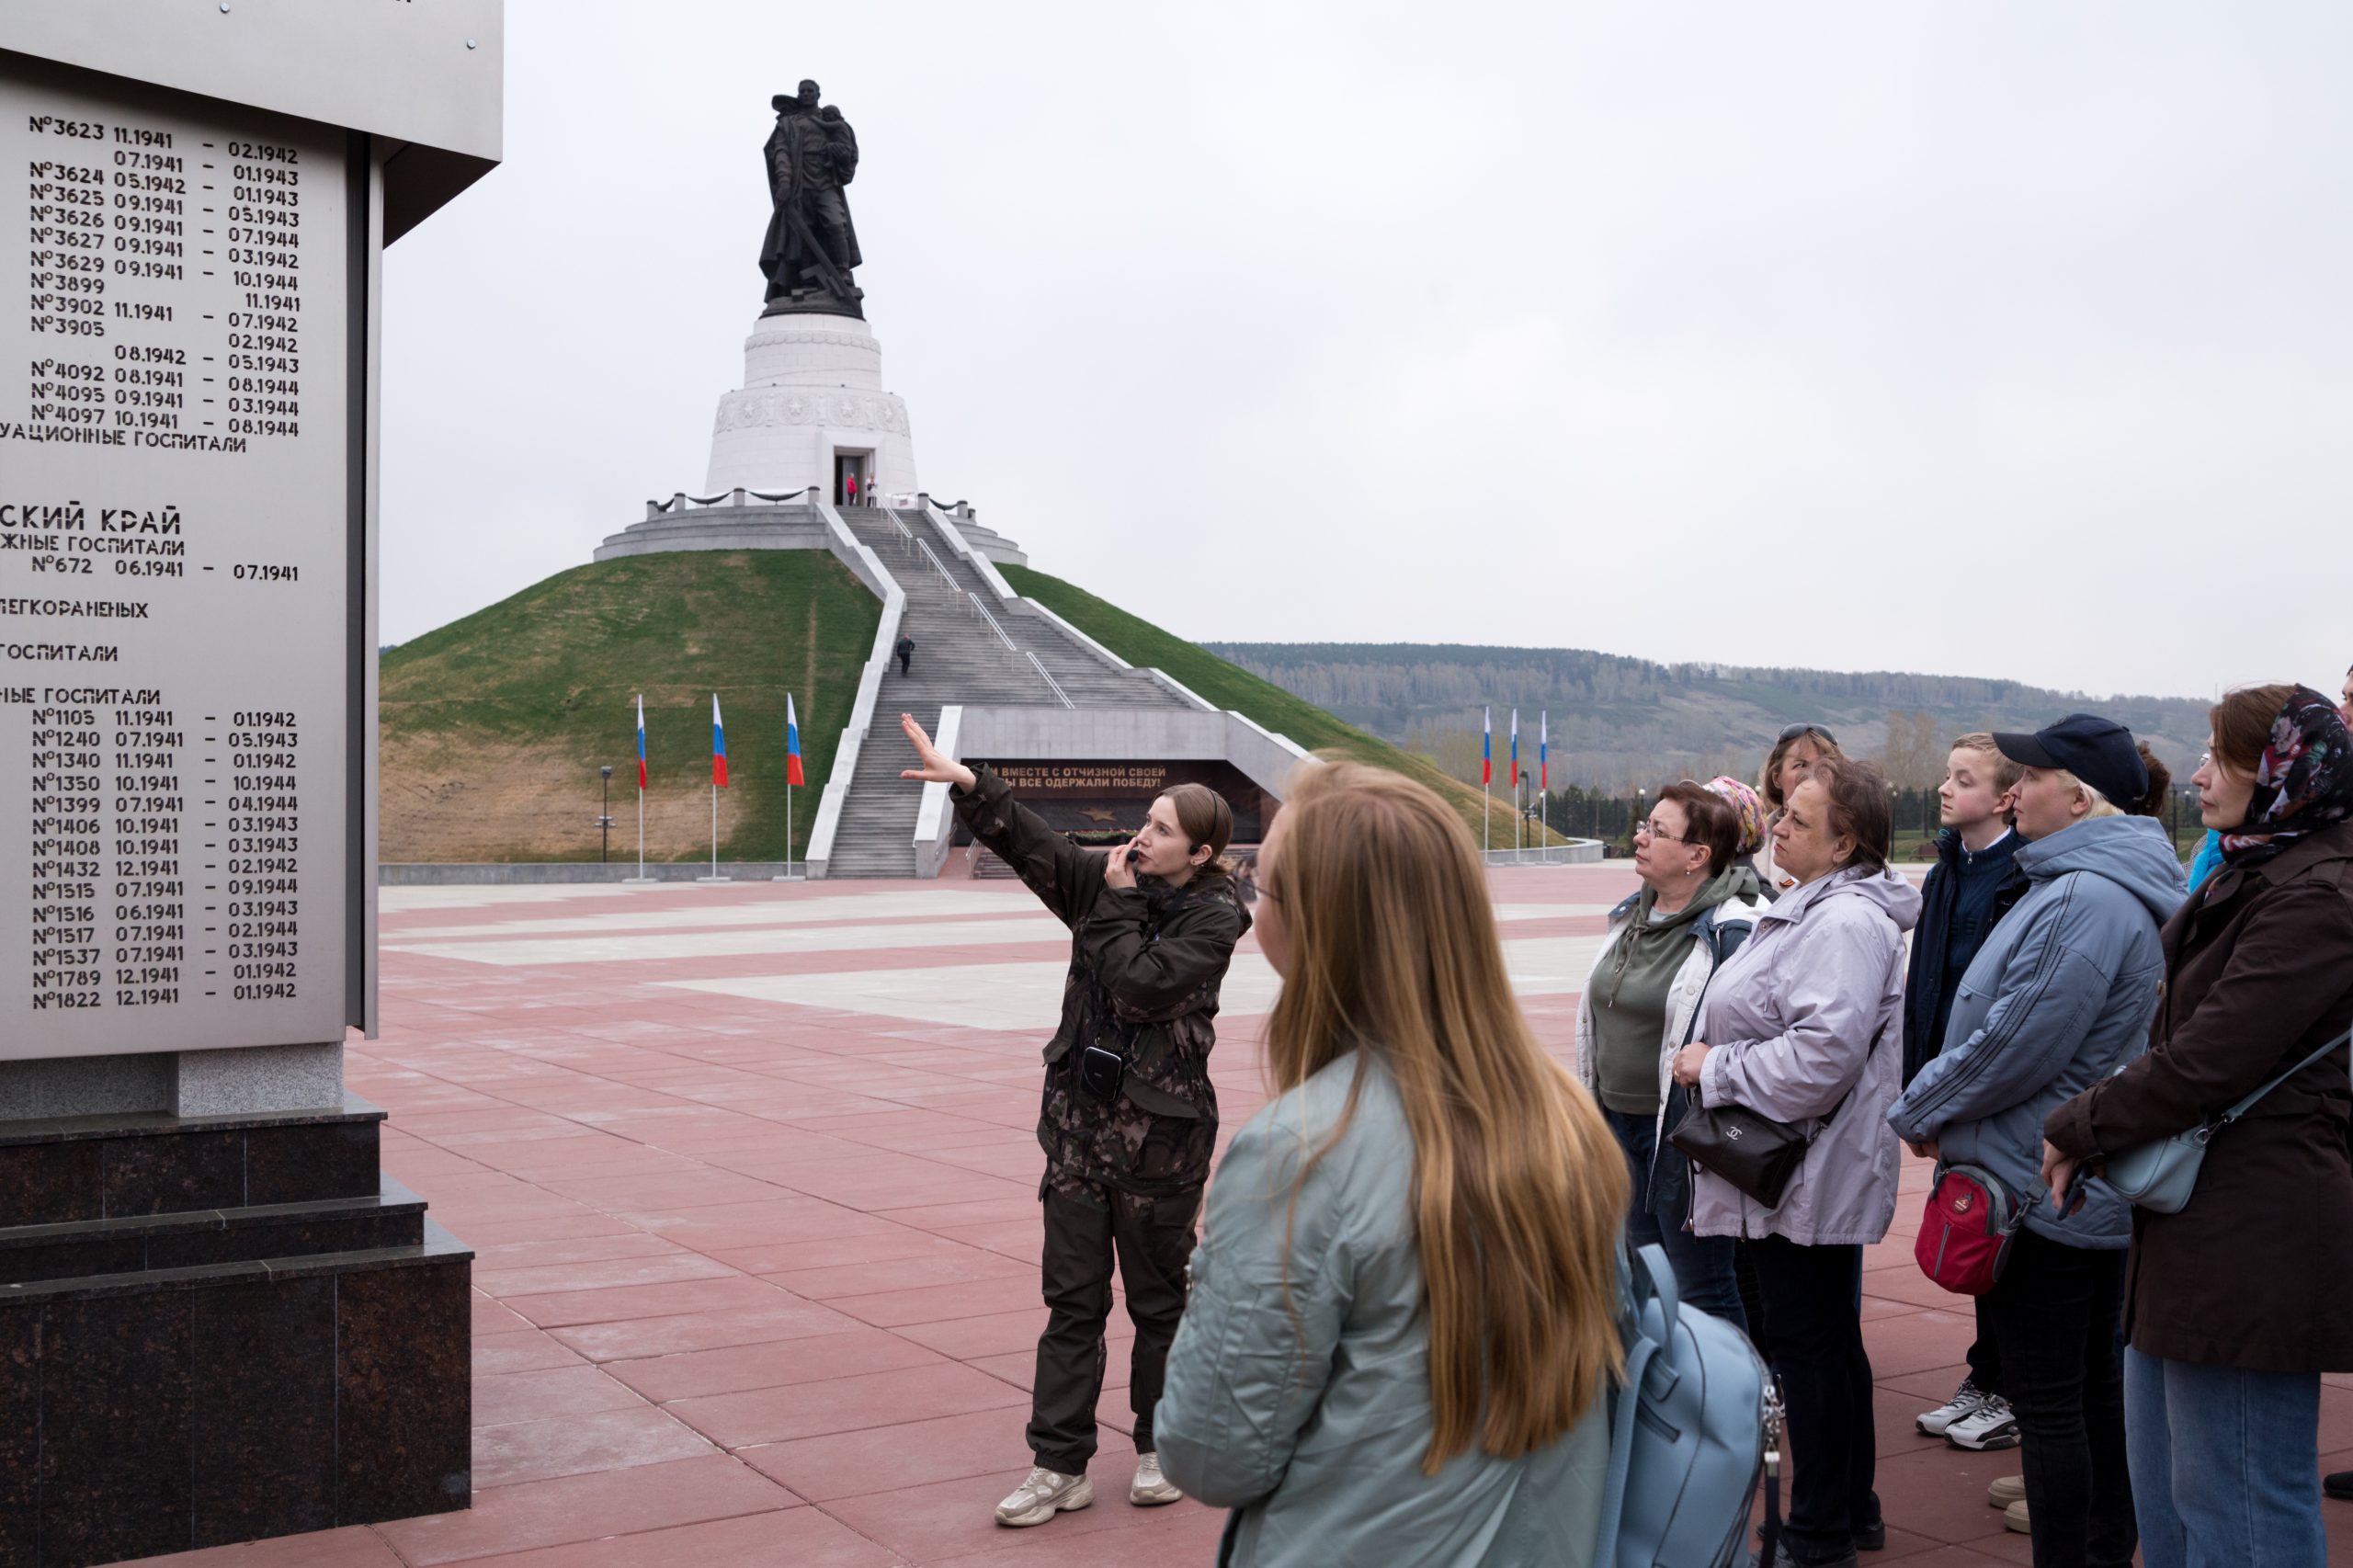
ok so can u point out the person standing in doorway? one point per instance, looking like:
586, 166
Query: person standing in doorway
1128, 1116
904, 650
1973, 883
849, 485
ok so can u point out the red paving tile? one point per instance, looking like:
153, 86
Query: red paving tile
550, 1392
802, 1538
580, 1445
583, 1507
772, 1364
845, 1404
526, 1350
787, 1319
812, 1234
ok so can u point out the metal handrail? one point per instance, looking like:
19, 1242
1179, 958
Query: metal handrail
982, 611
1052, 684
945, 576
906, 539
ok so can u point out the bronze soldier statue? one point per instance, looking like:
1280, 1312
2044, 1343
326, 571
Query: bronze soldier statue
811, 246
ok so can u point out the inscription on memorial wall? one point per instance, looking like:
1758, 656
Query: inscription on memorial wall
173, 577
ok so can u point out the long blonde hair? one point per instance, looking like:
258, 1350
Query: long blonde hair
1519, 1190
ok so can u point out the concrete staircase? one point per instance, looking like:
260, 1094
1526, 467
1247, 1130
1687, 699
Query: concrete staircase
958, 660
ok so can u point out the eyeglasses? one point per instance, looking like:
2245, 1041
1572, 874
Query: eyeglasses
1794, 731
1653, 831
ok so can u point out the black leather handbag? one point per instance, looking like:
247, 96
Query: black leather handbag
1750, 1150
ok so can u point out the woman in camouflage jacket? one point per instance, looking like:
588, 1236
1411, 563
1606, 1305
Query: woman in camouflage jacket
1128, 1117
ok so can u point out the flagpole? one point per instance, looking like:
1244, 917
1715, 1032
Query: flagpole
641, 876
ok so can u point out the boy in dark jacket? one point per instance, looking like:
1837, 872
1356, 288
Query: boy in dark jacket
1973, 883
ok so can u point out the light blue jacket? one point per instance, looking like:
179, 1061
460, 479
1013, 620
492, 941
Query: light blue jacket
2060, 996
1306, 1411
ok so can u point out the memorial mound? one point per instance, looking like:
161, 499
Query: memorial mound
494, 726
1230, 685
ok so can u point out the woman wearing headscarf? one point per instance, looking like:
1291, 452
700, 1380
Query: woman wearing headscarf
2235, 1305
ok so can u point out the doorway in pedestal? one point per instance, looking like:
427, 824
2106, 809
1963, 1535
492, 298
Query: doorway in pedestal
853, 479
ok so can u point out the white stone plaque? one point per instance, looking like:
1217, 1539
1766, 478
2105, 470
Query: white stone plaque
175, 506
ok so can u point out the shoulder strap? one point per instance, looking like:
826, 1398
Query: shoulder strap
2247, 1104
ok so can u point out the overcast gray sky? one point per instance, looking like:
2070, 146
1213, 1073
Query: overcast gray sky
1994, 339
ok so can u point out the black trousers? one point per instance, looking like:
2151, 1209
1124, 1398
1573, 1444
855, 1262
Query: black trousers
1152, 1240
1985, 1354
1814, 1338
2055, 1314
905, 660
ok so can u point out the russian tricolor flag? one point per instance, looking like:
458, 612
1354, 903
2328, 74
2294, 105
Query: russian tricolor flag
640, 743
1486, 745
1544, 754
718, 745
791, 744
1515, 748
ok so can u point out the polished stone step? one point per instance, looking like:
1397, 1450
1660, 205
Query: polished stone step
392, 1216
61, 1170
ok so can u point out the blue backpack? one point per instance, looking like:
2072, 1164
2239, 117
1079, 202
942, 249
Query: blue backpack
1693, 1429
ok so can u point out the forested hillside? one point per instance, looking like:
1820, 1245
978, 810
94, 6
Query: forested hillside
1616, 720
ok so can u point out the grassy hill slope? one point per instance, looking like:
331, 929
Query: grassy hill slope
492, 728
1230, 685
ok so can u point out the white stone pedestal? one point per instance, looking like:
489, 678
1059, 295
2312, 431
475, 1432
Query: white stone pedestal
813, 391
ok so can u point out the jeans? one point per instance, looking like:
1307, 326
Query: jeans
1153, 1238
2053, 1314
2224, 1464
1702, 1264
1814, 1336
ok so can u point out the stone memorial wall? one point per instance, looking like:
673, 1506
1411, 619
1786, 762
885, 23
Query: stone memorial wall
174, 573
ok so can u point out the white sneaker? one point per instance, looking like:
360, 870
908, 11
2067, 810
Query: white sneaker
1966, 1400
1151, 1489
1044, 1495
1990, 1426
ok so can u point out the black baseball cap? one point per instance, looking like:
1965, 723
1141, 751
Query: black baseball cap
2099, 751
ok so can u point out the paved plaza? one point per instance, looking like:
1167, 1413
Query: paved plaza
751, 1177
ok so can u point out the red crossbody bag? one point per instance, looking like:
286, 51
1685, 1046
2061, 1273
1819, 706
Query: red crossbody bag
1965, 1236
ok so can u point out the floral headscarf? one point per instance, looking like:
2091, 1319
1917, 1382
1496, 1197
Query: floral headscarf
1746, 806
2304, 783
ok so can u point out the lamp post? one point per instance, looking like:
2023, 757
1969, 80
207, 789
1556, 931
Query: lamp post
1641, 795
2180, 798
605, 818
1893, 795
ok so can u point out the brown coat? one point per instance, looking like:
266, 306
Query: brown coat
2257, 1272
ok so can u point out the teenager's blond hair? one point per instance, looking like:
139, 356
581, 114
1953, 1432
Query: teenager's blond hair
1519, 1190
2006, 773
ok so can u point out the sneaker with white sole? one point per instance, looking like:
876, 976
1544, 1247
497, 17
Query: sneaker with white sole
1966, 1400
1990, 1426
1151, 1489
2006, 1490
1044, 1495
2016, 1520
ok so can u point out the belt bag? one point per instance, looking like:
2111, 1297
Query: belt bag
1752, 1150
1964, 1240
2162, 1175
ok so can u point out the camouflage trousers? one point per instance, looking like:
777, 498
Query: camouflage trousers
1151, 1239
